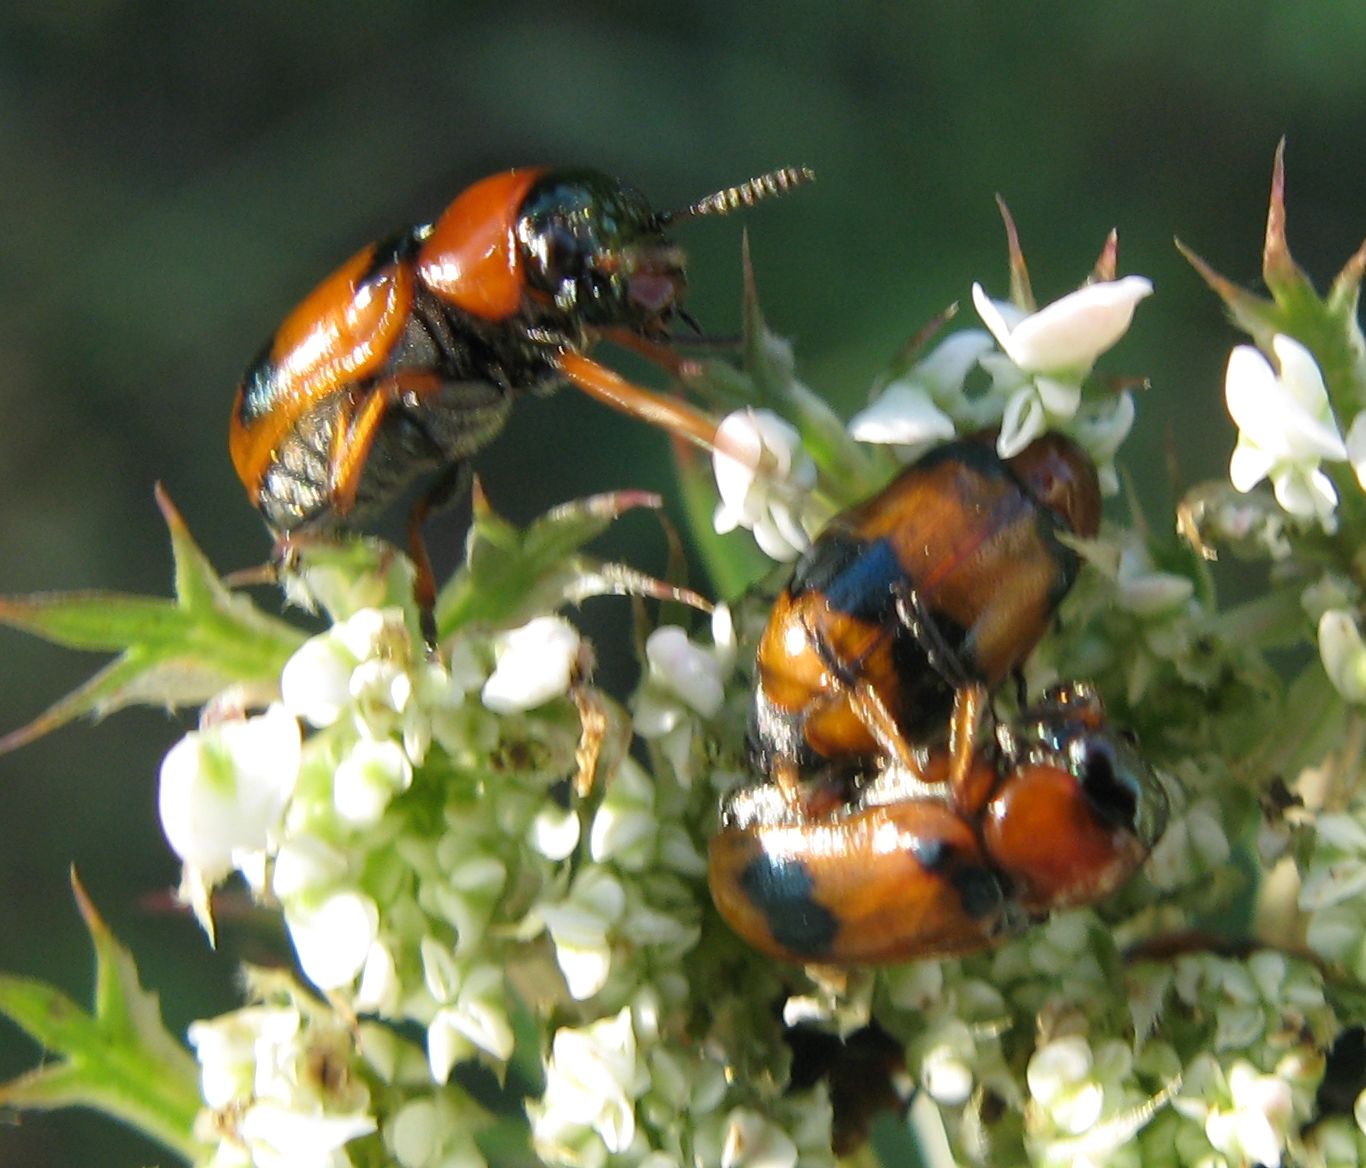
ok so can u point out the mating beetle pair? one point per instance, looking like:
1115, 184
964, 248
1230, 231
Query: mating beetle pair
893, 826
898, 624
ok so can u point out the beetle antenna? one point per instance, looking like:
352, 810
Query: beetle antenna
745, 194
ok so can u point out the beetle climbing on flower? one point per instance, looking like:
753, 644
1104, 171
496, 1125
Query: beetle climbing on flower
406, 360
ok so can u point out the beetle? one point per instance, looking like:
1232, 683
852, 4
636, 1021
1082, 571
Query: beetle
908, 610
1065, 811
406, 360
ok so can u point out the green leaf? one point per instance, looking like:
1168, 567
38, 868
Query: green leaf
1326, 325
172, 652
119, 1060
510, 574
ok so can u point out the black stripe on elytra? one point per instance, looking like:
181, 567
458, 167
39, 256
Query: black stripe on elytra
781, 890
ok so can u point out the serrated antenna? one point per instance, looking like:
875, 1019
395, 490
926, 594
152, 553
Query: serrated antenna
745, 194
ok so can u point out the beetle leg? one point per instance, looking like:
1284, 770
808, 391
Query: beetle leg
874, 714
352, 441
787, 776
448, 486
636, 401
970, 704
354, 436
664, 356
920, 623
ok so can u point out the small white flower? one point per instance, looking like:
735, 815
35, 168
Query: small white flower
1065, 337
380, 989
333, 938
368, 776
1031, 408
555, 832
535, 663
224, 789
1285, 428
472, 1010
581, 926
1344, 653
928, 404
280, 1083
1049, 352
691, 672
591, 1082
904, 416
227, 1046
763, 477
1253, 1129
280, 1137
1100, 428
316, 681
753, 1142
1143, 590
1061, 1082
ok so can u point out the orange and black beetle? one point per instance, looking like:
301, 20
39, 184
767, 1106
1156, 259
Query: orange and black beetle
909, 609
1064, 811
407, 358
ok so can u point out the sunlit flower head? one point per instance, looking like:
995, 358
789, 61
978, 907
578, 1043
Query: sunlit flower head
763, 477
1285, 428
1048, 353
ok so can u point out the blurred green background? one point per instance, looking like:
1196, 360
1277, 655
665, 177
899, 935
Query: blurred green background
173, 177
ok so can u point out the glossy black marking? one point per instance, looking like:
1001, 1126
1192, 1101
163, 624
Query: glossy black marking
979, 890
389, 251
258, 387
1110, 792
781, 889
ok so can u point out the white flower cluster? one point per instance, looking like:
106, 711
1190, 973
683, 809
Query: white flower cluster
1035, 363
1210, 1054
412, 819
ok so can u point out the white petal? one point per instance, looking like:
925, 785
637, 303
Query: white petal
1300, 374
751, 1141
1356, 447
1022, 423
691, 672
1070, 333
1343, 653
1310, 496
1060, 398
993, 314
367, 778
903, 414
299, 1139
1248, 465
555, 833
535, 664
1249, 387
333, 938
224, 789
740, 449
315, 682
944, 369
